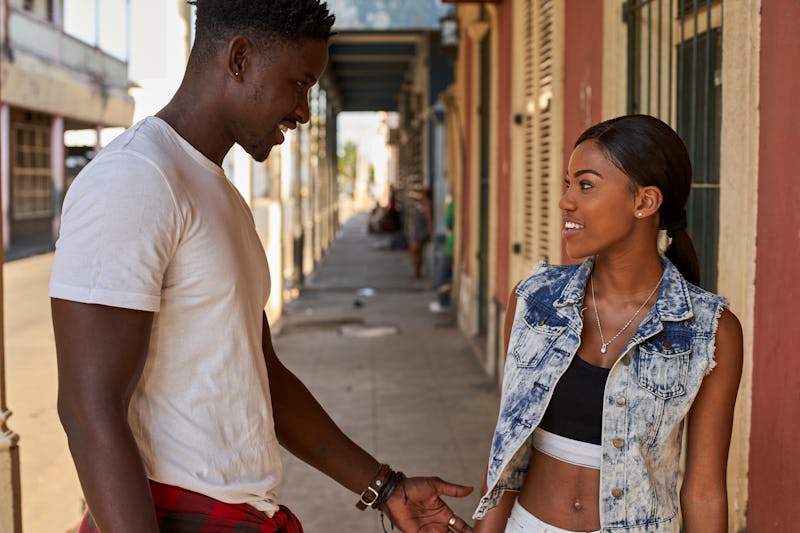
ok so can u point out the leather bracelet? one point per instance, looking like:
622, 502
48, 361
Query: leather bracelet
388, 488
372, 494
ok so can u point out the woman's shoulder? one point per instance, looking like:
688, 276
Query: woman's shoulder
549, 278
701, 296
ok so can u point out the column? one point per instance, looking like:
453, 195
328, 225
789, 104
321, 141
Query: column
5, 172
10, 500
57, 155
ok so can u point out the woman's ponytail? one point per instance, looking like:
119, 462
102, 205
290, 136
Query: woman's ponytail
683, 255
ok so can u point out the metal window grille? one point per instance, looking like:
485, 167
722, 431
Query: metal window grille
674, 73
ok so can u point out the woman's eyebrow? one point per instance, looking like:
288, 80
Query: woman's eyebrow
579, 173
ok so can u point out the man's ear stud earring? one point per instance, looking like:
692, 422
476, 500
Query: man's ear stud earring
235, 73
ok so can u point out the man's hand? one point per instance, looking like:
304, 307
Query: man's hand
415, 506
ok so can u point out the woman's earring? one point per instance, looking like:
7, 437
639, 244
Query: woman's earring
640, 214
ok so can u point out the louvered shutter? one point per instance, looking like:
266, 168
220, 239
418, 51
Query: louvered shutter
540, 155
529, 157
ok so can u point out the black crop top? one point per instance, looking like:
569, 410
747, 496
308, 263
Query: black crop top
576, 408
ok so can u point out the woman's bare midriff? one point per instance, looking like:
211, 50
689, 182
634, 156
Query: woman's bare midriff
562, 494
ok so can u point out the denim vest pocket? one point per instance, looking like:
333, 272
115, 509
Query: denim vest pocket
663, 366
532, 339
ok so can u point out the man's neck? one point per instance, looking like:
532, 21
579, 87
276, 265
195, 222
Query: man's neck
199, 123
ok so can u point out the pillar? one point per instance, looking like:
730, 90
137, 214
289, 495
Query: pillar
10, 491
57, 157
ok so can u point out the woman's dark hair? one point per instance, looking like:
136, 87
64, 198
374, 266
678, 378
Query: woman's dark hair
650, 153
260, 20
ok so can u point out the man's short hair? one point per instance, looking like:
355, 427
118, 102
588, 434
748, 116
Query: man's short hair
259, 20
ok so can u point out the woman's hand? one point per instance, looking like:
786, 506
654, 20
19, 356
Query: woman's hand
415, 506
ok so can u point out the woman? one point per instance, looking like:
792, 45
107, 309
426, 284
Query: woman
421, 231
608, 358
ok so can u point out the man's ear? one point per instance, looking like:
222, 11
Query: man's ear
648, 201
240, 50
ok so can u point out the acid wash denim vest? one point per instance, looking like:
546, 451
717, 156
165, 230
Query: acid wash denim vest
649, 391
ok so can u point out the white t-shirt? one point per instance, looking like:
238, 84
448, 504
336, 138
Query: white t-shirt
152, 224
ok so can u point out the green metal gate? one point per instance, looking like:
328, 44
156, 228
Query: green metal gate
674, 73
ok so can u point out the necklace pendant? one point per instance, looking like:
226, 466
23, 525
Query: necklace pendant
604, 348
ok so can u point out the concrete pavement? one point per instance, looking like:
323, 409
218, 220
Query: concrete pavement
415, 398
52, 500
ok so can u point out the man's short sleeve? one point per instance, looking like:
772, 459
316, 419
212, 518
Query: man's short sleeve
119, 229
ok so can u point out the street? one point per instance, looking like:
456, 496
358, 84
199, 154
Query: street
400, 381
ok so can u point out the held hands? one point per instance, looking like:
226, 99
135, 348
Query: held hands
415, 506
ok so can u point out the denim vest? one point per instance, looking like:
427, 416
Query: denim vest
649, 391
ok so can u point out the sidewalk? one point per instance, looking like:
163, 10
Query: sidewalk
416, 399
52, 499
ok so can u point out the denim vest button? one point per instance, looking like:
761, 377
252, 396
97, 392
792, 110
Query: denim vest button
619, 443
666, 345
621, 401
626, 360
617, 493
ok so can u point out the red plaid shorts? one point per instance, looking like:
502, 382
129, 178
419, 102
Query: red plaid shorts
183, 511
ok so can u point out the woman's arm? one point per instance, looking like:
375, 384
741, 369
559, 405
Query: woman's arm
495, 520
704, 499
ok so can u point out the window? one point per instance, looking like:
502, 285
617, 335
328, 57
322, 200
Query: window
674, 73
31, 180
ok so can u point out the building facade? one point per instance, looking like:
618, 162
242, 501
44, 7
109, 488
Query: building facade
531, 75
53, 82
56, 75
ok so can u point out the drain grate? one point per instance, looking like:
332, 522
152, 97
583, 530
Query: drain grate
360, 331
318, 324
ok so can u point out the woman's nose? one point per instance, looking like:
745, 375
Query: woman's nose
565, 203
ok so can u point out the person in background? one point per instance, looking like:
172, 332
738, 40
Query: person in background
608, 360
170, 392
444, 277
422, 227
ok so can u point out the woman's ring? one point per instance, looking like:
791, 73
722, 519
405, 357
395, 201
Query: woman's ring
452, 521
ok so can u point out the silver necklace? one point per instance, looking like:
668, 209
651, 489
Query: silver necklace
604, 346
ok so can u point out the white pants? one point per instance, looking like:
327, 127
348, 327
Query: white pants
521, 521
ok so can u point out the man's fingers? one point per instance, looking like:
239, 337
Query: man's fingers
446, 488
457, 524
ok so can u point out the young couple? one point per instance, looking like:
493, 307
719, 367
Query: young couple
175, 403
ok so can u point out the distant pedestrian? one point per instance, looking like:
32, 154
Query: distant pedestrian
421, 231
170, 392
609, 359
444, 275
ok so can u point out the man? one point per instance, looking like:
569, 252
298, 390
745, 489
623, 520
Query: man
170, 392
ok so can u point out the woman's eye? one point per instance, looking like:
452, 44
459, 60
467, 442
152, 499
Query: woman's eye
585, 185
566, 183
